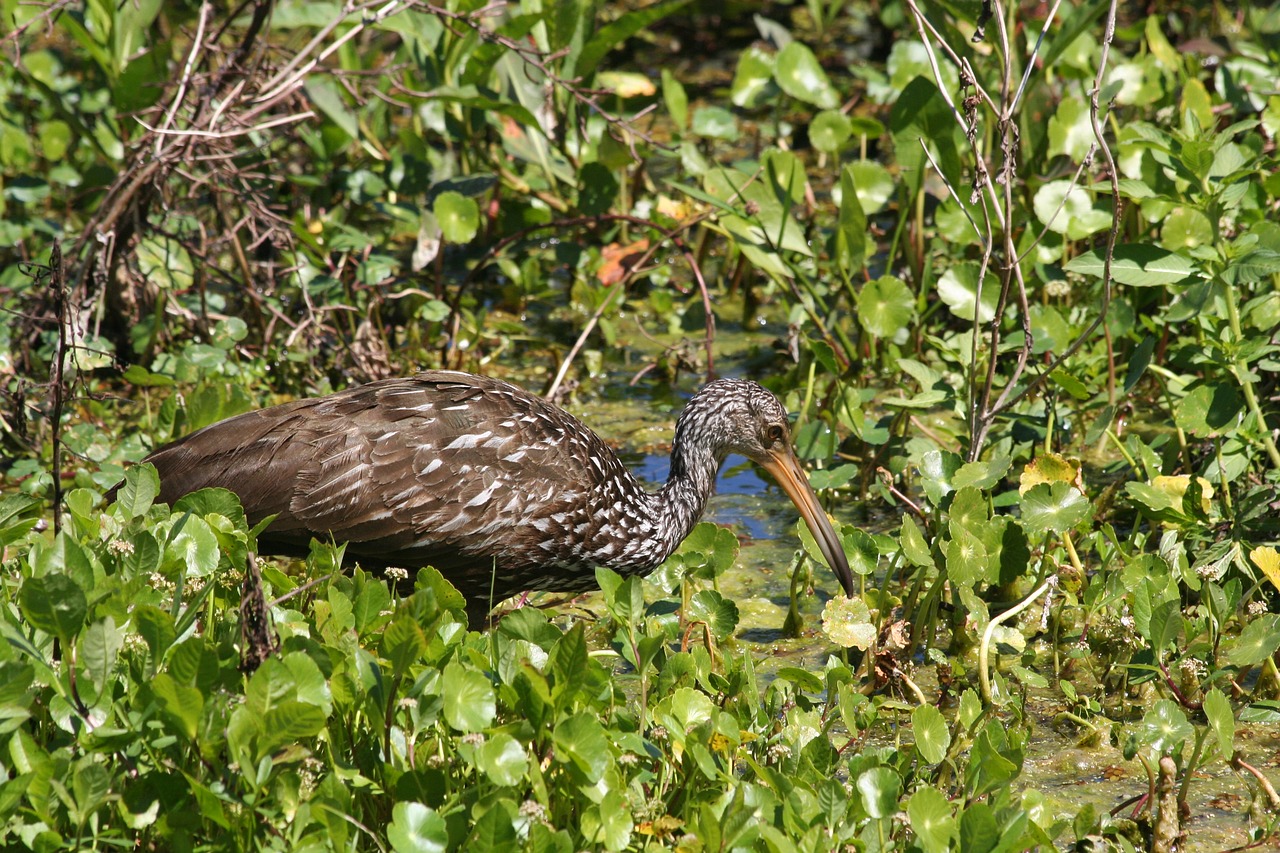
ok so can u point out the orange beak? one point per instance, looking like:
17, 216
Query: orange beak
781, 462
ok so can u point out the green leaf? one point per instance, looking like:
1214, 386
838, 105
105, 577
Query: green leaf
288, 722
1257, 642
1165, 727
677, 100
829, 130
469, 704
580, 742
930, 816
416, 828
502, 759
715, 123
1066, 208
100, 643
403, 643
458, 216
979, 832
327, 97
54, 604
1054, 507
609, 36
182, 705
932, 736
753, 82
885, 306
880, 788
798, 73
716, 611
958, 288
1136, 264
1210, 409
1217, 708
937, 467
913, 545
141, 488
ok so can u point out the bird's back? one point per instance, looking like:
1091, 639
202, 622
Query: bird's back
469, 474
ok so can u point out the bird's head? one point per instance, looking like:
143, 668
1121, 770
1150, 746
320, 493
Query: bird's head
737, 416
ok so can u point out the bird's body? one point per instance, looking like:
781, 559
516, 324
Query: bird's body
495, 487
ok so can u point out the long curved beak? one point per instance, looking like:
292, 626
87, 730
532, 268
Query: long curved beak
781, 462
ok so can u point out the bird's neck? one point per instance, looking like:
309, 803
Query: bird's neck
689, 485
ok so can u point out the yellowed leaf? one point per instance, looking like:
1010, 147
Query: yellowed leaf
1175, 487
1267, 559
1051, 468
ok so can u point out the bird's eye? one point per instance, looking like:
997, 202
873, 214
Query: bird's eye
776, 433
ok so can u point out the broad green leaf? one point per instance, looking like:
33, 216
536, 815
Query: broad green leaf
1165, 727
403, 643
54, 604
958, 288
798, 73
502, 759
458, 216
880, 788
885, 306
851, 236
416, 828
713, 609
1217, 709
1066, 208
936, 470
581, 742
847, 623
1257, 642
715, 123
469, 704
676, 99
930, 817
913, 544
873, 183
288, 722
100, 643
753, 82
140, 489
932, 736
182, 705
1210, 409
165, 263
1054, 507
829, 130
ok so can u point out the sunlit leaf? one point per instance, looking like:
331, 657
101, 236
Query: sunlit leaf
416, 828
798, 73
1267, 559
929, 814
847, 622
885, 306
1054, 507
932, 736
1257, 642
54, 604
879, 788
469, 704
458, 216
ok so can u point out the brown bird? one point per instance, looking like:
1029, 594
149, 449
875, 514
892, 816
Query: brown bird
495, 487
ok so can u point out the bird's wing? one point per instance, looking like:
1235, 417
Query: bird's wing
440, 467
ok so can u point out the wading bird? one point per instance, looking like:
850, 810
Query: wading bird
495, 487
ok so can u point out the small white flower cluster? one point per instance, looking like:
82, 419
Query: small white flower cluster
120, 547
396, 574
1057, 288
